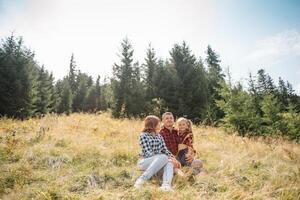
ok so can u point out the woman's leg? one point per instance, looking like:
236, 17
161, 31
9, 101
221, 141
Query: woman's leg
168, 174
152, 165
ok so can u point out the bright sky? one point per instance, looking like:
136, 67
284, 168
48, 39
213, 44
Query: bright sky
248, 34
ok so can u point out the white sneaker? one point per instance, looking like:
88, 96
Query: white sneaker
138, 183
166, 188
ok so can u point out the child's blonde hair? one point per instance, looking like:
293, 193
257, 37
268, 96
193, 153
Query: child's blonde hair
187, 121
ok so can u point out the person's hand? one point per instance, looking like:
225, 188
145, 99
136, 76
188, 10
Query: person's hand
190, 157
176, 163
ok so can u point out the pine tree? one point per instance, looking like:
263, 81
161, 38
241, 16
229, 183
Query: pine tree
282, 95
183, 63
122, 80
291, 121
18, 74
84, 83
293, 97
271, 114
81, 92
153, 76
136, 100
44, 96
270, 85
262, 82
215, 80
72, 75
254, 93
107, 95
265, 83
190, 82
98, 94
199, 88
90, 100
239, 108
150, 70
166, 81
65, 103
53, 95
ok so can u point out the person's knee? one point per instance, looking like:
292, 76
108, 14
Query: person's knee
197, 164
163, 157
170, 164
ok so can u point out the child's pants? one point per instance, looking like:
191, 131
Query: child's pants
181, 157
153, 164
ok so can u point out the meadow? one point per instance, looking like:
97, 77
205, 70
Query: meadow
93, 156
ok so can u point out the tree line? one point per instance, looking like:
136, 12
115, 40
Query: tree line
183, 84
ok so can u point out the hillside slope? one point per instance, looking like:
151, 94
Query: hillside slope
85, 156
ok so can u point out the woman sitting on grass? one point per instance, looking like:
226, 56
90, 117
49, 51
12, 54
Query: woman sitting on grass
154, 155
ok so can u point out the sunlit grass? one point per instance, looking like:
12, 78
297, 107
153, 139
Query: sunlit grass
85, 156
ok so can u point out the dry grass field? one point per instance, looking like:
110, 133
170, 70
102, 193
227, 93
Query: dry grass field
86, 156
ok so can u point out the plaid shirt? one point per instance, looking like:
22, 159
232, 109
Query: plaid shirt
152, 145
188, 141
171, 139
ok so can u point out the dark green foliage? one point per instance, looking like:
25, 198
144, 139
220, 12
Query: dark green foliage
80, 92
253, 91
91, 100
72, 75
265, 83
44, 91
181, 84
165, 81
291, 122
53, 95
150, 73
190, 82
98, 95
136, 99
215, 79
18, 79
126, 85
65, 96
293, 98
106, 98
239, 108
271, 114
151, 80
282, 95
260, 110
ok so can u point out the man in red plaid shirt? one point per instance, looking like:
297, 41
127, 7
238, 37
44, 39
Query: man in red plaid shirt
171, 136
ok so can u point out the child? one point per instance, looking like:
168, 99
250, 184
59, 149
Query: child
185, 146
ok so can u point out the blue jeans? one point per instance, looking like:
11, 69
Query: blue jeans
153, 164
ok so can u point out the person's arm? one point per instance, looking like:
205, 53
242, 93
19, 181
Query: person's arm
145, 145
175, 162
190, 157
164, 147
172, 158
190, 142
